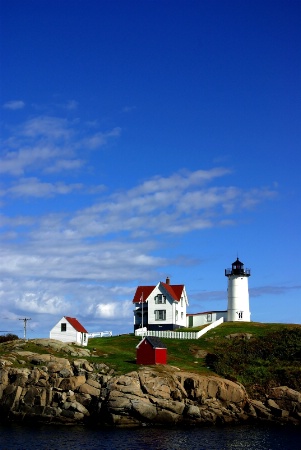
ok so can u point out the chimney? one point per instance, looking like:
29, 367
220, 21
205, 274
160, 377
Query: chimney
167, 280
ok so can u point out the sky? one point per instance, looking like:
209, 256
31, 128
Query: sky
142, 139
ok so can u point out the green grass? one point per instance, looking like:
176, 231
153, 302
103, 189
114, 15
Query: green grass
119, 352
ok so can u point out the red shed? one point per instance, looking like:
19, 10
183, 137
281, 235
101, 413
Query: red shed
151, 351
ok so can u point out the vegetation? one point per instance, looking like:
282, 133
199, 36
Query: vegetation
272, 355
8, 337
264, 361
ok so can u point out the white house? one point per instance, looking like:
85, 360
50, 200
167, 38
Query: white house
68, 329
160, 307
205, 318
238, 308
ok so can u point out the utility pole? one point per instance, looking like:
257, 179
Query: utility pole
25, 320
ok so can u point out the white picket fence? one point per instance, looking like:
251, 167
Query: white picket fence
179, 334
100, 334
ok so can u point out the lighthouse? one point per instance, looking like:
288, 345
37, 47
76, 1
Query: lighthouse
238, 293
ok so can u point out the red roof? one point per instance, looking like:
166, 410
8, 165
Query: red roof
76, 325
175, 290
143, 292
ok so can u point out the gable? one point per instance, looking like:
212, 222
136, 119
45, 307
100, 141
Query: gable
174, 290
143, 292
76, 325
154, 342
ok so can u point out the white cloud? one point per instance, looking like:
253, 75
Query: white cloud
99, 139
36, 302
181, 203
50, 144
14, 105
272, 290
32, 187
112, 310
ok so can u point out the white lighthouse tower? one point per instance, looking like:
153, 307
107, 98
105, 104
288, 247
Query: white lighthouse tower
238, 293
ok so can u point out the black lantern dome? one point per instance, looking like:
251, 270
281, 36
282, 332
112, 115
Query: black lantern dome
237, 269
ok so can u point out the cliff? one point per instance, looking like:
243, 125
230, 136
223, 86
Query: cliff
69, 389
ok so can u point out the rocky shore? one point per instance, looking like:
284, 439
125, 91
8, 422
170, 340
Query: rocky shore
72, 390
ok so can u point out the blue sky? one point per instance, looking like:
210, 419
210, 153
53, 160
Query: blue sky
145, 139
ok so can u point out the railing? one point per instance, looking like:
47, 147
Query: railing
214, 324
237, 272
179, 334
100, 334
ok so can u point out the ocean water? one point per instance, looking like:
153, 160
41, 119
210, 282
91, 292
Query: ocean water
247, 437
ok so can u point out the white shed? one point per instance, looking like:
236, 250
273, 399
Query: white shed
204, 318
68, 329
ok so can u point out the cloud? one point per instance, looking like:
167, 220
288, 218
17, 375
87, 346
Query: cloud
99, 139
272, 290
115, 309
14, 105
50, 144
208, 296
36, 302
128, 109
71, 105
173, 205
32, 187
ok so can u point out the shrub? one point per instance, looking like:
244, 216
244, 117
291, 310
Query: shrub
273, 359
8, 337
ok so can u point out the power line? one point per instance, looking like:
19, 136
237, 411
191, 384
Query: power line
25, 320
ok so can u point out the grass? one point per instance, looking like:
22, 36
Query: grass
119, 352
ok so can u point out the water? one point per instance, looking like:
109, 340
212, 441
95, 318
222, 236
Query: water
17, 437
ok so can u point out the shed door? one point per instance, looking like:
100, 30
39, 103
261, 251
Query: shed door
190, 321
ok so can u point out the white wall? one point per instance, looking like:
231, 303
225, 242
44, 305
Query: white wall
70, 335
202, 318
238, 299
170, 307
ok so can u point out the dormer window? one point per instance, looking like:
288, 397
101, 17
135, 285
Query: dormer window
160, 299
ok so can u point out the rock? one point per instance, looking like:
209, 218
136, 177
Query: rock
58, 391
261, 410
83, 364
87, 389
72, 383
4, 376
93, 383
243, 336
285, 393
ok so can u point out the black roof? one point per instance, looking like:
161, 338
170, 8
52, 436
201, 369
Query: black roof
239, 262
155, 342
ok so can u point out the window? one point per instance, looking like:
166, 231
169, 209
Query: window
177, 313
63, 327
84, 337
240, 314
159, 299
160, 314
209, 317
181, 302
182, 315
